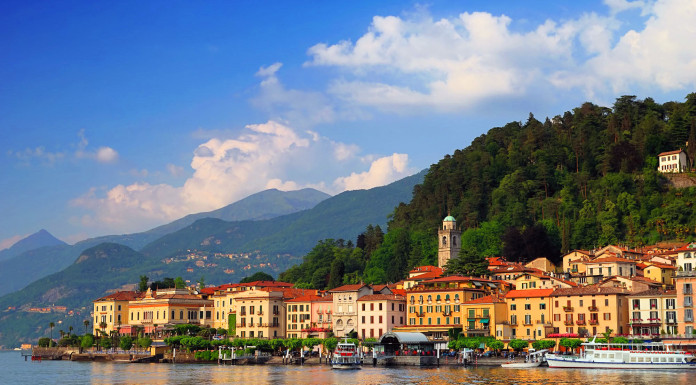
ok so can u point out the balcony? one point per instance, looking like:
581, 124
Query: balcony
580, 322
420, 314
259, 312
594, 322
543, 323
568, 322
447, 313
593, 308
686, 273
636, 320
567, 309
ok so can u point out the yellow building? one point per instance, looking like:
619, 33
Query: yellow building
434, 307
299, 318
573, 261
529, 315
223, 297
590, 310
653, 312
660, 272
480, 315
607, 266
111, 311
167, 307
542, 264
260, 313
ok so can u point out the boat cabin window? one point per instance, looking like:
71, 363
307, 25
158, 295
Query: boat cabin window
633, 359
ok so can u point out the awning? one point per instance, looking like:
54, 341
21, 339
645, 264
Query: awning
477, 283
485, 321
471, 320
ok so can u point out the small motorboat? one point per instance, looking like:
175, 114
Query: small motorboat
533, 360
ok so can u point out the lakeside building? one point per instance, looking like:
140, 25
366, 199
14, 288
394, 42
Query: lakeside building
223, 295
539, 280
111, 311
574, 262
529, 315
653, 312
260, 313
345, 307
299, 320
685, 281
158, 310
481, 315
589, 310
434, 306
379, 313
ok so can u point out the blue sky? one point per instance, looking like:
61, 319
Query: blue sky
116, 117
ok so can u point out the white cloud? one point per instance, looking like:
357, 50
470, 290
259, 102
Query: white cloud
418, 63
228, 169
103, 154
174, 170
382, 171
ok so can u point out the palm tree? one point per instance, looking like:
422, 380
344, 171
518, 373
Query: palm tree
51, 325
62, 333
70, 329
86, 323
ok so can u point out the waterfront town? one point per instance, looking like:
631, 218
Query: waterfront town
637, 293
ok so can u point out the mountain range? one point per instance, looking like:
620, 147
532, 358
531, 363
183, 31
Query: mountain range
213, 249
41, 254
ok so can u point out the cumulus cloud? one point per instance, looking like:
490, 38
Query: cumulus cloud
228, 169
103, 154
382, 171
406, 63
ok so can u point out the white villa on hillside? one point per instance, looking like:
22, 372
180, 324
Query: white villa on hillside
672, 161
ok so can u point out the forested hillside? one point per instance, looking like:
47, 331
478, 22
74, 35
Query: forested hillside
582, 179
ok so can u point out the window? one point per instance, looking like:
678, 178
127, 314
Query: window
607, 316
527, 306
513, 306
542, 306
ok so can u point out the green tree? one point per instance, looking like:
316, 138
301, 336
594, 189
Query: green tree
258, 276
201, 283
179, 283
330, 344
144, 342
495, 345
86, 323
467, 264
87, 341
518, 344
543, 344
51, 325
126, 343
142, 285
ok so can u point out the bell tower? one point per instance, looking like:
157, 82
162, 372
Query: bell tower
449, 240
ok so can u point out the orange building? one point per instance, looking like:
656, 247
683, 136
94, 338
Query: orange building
590, 310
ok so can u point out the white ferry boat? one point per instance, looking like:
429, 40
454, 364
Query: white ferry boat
346, 356
651, 355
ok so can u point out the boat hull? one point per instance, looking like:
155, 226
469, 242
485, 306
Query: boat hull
521, 365
345, 366
582, 363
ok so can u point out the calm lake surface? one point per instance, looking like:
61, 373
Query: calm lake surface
14, 370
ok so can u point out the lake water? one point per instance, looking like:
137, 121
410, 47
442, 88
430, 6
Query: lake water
14, 370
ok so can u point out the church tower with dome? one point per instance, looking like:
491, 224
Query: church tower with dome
449, 240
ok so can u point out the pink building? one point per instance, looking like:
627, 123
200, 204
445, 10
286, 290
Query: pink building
380, 313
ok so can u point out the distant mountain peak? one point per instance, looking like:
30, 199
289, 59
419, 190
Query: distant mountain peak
41, 238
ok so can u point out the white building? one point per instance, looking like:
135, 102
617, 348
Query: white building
672, 161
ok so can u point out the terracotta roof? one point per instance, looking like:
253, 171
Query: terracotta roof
675, 152
585, 290
655, 293
662, 266
486, 299
306, 298
381, 297
354, 287
544, 276
121, 296
399, 291
528, 293
608, 260
424, 276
